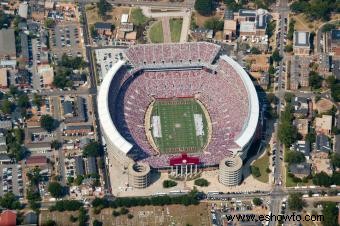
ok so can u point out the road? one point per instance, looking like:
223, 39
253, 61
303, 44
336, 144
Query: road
93, 90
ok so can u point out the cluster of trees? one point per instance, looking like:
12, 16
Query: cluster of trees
189, 199
93, 149
233, 5
169, 183
62, 78
49, 23
83, 217
214, 24
291, 29
122, 211
270, 28
334, 85
315, 80
56, 190
10, 201
33, 195
295, 202
330, 214
323, 179
201, 182
204, 7
19, 102
276, 56
72, 62
287, 132
14, 140
254, 50
66, 205
315, 9
292, 157
48, 123
103, 7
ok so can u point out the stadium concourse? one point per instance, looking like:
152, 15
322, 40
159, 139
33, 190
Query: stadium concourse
173, 71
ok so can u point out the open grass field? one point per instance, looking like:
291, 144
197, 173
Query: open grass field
159, 216
177, 123
175, 28
156, 33
263, 163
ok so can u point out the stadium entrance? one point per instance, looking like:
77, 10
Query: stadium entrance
184, 165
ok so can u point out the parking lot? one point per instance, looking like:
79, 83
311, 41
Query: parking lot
66, 38
11, 179
106, 58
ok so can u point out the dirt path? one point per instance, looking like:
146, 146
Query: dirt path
166, 29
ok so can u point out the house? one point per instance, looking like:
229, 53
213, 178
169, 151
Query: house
103, 28
300, 170
77, 130
335, 42
36, 161
126, 27
7, 45
79, 166
67, 108
30, 219
3, 78
23, 10
8, 218
124, 18
230, 25
324, 67
4, 159
301, 45
91, 165
5, 125
324, 124
74, 111
302, 126
322, 144
300, 106
303, 147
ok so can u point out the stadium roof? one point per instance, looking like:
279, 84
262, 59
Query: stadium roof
253, 114
104, 111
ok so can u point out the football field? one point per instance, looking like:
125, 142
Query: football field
182, 125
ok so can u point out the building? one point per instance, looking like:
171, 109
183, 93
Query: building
24, 54
335, 42
36, 161
322, 144
79, 166
4, 159
139, 175
8, 218
300, 170
91, 165
324, 124
47, 74
300, 106
3, 78
201, 34
303, 147
299, 72
77, 130
103, 28
5, 125
230, 171
7, 48
302, 126
301, 45
67, 108
23, 10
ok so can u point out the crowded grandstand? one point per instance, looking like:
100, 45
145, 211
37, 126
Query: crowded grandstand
173, 72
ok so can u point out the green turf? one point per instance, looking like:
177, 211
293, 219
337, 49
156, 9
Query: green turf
175, 28
156, 32
178, 126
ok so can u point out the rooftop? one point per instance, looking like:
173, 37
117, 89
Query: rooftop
7, 43
301, 38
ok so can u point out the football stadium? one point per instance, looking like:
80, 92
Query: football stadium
162, 100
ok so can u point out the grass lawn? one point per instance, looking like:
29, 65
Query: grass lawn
262, 163
177, 125
137, 17
175, 28
156, 32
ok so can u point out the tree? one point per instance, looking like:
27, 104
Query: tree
10, 201
5, 20
103, 6
79, 179
72, 62
23, 101
93, 32
204, 7
330, 213
48, 123
49, 23
55, 189
233, 5
295, 202
37, 100
92, 149
56, 144
214, 24
61, 79
336, 178
130, 216
201, 182
255, 171
257, 201
299, 6
124, 211
276, 56
335, 160
169, 183
315, 80
7, 107
50, 222
328, 27
289, 48
97, 223
255, 50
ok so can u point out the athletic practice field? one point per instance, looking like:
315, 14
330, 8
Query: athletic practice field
178, 125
